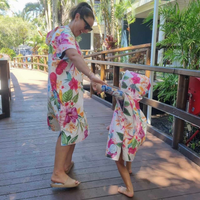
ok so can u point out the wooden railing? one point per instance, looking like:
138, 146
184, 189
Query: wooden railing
87, 52
5, 89
101, 60
32, 61
179, 112
40, 61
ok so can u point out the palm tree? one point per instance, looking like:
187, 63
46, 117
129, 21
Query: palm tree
33, 9
40, 9
4, 5
55, 13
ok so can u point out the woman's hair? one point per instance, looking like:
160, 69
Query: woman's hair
83, 8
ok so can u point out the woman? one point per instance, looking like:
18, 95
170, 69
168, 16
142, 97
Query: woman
65, 91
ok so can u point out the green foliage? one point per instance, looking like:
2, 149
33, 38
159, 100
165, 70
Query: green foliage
37, 41
124, 10
182, 34
8, 51
13, 31
167, 88
4, 6
121, 9
19, 55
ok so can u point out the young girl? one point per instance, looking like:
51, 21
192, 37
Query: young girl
127, 130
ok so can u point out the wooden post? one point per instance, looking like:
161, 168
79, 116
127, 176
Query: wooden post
45, 62
103, 67
38, 61
26, 61
31, 62
115, 83
178, 125
147, 73
93, 70
5, 88
17, 63
148, 61
21, 61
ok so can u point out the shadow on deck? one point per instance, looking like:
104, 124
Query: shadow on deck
27, 155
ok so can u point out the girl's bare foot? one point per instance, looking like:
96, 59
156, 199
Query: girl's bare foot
125, 191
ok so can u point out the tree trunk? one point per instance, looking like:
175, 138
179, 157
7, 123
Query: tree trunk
49, 13
112, 19
60, 12
46, 15
55, 13
98, 23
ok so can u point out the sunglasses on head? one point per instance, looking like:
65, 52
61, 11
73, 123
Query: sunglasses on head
87, 26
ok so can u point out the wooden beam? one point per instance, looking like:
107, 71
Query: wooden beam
187, 72
120, 49
181, 102
126, 54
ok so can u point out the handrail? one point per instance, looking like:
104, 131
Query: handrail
32, 56
126, 54
119, 50
186, 72
18, 61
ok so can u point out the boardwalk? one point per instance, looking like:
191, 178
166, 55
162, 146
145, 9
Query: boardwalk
27, 155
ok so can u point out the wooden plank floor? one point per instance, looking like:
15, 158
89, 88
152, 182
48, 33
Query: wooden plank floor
27, 155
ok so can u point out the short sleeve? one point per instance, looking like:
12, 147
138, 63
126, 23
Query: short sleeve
62, 40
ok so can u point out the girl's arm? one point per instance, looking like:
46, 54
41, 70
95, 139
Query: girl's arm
118, 94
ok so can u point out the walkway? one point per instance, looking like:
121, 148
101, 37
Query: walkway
27, 155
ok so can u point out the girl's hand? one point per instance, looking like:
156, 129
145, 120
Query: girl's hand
96, 87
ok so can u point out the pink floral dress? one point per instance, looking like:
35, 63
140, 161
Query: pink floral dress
128, 126
65, 89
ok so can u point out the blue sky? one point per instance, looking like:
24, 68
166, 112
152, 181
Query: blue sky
18, 5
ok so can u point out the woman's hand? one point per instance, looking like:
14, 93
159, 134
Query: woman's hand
95, 79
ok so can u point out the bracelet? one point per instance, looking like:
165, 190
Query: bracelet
90, 74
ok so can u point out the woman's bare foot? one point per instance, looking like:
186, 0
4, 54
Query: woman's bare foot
108, 127
69, 167
63, 178
126, 192
128, 167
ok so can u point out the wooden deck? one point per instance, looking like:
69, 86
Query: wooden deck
27, 155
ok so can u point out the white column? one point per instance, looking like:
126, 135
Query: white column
92, 40
92, 36
153, 52
160, 38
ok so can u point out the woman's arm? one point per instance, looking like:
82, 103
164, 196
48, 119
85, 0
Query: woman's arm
80, 64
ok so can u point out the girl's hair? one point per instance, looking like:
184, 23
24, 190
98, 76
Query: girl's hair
83, 8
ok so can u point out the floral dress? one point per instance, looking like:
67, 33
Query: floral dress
65, 89
128, 126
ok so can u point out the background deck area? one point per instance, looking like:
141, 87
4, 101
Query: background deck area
27, 154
